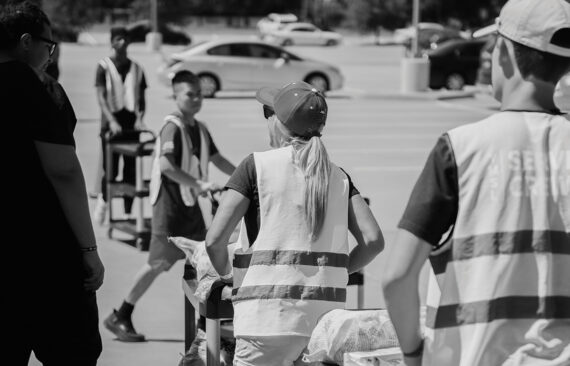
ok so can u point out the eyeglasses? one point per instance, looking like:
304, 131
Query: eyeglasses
50, 44
267, 111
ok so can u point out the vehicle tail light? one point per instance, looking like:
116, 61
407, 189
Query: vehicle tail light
172, 61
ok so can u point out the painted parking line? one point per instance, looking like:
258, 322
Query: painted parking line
462, 107
400, 150
389, 169
383, 136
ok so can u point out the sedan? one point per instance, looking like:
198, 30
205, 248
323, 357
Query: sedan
302, 34
246, 65
275, 21
454, 63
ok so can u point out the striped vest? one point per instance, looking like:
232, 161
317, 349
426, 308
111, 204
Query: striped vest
122, 94
502, 295
283, 283
189, 163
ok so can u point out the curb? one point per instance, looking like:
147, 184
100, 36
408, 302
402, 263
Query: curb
427, 95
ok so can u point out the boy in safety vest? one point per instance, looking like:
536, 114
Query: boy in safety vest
121, 86
499, 293
179, 176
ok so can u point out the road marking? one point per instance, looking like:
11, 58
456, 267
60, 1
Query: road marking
462, 107
410, 150
337, 124
383, 136
392, 169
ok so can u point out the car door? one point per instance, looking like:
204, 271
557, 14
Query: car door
231, 62
304, 35
271, 69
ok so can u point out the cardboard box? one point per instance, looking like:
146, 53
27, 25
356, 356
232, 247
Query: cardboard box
381, 357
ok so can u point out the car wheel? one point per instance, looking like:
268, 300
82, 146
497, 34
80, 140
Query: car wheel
331, 42
209, 85
454, 81
287, 42
319, 81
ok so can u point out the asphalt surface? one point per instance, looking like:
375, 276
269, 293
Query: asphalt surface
378, 136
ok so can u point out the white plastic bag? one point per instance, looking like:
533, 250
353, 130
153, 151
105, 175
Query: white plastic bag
197, 256
340, 331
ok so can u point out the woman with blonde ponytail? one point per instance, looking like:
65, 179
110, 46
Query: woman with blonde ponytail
297, 206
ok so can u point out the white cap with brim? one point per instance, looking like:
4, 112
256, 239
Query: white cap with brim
533, 23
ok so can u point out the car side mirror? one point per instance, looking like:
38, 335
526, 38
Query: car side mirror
285, 57
281, 61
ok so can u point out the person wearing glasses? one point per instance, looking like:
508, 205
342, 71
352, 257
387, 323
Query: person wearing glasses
297, 206
52, 267
121, 86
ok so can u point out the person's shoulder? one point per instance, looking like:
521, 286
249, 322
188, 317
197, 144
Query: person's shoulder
483, 126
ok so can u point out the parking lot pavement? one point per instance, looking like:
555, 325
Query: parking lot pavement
381, 143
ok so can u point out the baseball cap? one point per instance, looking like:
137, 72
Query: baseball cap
533, 23
298, 105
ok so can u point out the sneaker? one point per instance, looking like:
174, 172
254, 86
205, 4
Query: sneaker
100, 211
122, 328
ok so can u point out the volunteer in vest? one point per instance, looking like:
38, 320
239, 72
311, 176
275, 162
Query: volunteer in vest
179, 175
293, 260
121, 85
499, 290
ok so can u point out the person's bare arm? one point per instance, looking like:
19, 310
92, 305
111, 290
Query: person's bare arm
113, 124
232, 208
63, 170
365, 229
169, 168
222, 163
400, 285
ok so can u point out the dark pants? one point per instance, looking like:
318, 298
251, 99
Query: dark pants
60, 335
127, 121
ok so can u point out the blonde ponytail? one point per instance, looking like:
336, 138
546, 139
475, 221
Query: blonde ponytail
312, 158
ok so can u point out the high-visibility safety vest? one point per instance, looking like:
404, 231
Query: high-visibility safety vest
503, 294
284, 282
122, 94
189, 164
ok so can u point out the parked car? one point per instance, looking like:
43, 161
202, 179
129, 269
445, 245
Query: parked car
170, 34
485, 62
302, 34
454, 63
274, 21
404, 35
237, 64
430, 39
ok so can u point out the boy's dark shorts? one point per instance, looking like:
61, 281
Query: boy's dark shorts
164, 254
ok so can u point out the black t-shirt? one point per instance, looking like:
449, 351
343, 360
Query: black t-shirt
244, 181
43, 238
170, 215
432, 208
59, 97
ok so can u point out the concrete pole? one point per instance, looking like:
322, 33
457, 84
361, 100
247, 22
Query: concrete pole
154, 15
416, 22
415, 69
154, 38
